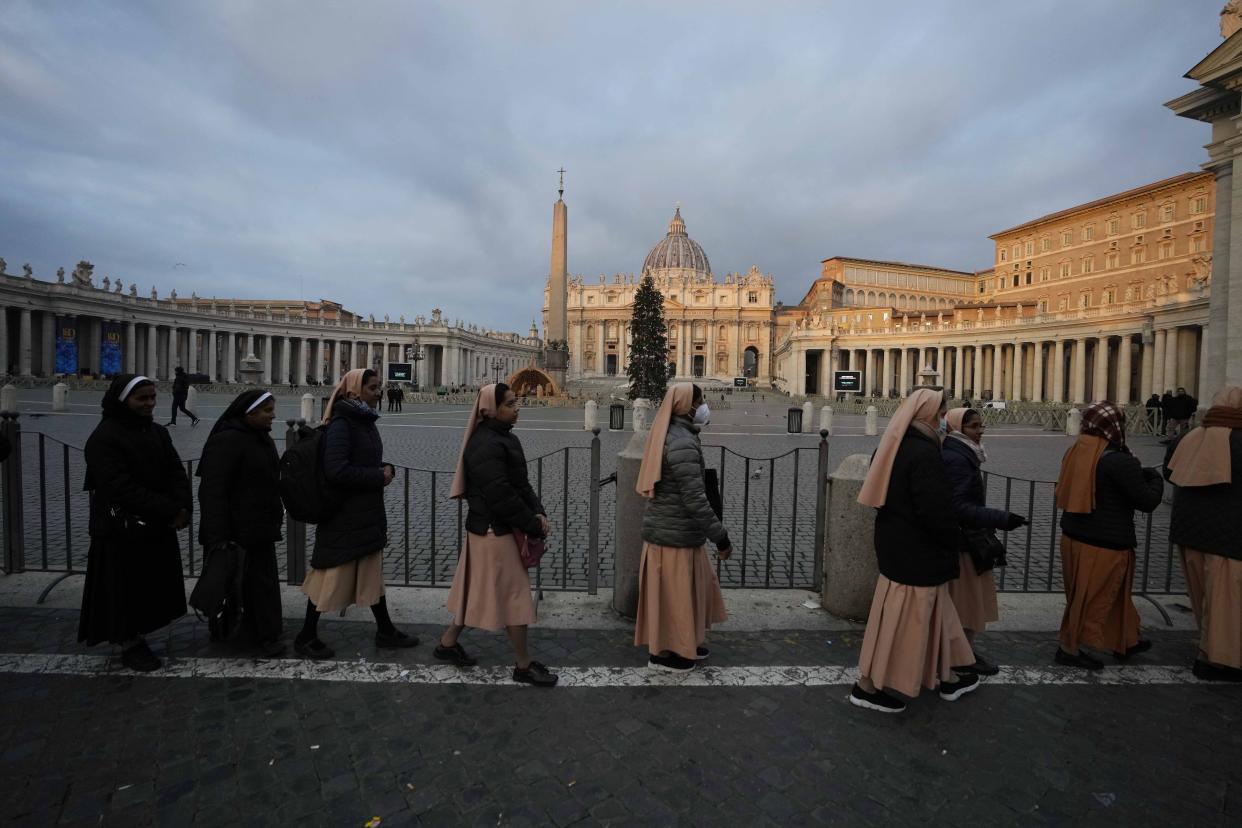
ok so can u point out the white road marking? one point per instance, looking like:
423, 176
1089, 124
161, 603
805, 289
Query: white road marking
96, 666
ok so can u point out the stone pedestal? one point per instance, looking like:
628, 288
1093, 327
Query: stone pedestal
850, 569
8, 398
308, 408
60, 397
251, 370
1073, 422
556, 364
808, 415
871, 424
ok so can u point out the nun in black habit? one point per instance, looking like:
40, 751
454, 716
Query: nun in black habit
140, 498
239, 502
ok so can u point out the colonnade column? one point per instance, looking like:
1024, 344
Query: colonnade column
1123, 369
230, 357
268, 356
1019, 357
1058, 371
998, 368
23, 343
192, 350
1099, 385
868, 373
153, 360
1145, 370
1171, 374
1080, 370
882, 370
1157, 365
212, 371
131, 348
903, 381
1037, 374
303, 347
49, 343
958, 374
976, 360
170, 346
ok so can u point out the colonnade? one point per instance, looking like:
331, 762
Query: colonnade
1121, 366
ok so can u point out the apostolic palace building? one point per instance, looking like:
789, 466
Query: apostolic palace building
1104, 299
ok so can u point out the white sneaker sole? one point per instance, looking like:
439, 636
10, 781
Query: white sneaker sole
666, 669
879, 708
960, 691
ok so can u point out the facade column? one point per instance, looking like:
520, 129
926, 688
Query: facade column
192, 350
958, 374
152, 369
1123, 369
601, 360
998, 367
1145, 369
1099, 385
131, 348
47, 358
903, 382
230, 357
23, 343
1019, 357
173, 336
977, 364
1171, 375
210, 342
286, 360
1080, 371
1058, 372
885, 371
1158, 384
868, 373
268, 356
303, 355
940, 366
1037, 374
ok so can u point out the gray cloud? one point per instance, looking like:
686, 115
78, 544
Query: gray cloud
398, 156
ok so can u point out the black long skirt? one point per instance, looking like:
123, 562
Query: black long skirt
134, 585
261, 614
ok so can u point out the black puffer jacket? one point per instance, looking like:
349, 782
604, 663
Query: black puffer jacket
969, 498
353, 459
497, 489
1209, 518
132, 466
916, 531
679, 513
238, 495
1121, 486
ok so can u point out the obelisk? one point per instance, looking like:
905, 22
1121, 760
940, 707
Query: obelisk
556, 348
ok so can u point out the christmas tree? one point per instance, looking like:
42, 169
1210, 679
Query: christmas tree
648, 368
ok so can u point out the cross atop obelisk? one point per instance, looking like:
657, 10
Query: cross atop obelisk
561, 189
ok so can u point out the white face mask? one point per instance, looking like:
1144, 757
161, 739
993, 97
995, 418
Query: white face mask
702, 415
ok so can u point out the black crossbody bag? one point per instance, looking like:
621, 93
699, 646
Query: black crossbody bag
985, 549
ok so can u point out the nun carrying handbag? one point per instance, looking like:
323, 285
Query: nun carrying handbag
530, 549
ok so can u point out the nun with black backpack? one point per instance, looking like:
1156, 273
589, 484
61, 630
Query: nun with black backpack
239, 502
140, 499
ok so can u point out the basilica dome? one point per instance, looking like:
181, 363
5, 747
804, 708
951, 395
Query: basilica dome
677, 252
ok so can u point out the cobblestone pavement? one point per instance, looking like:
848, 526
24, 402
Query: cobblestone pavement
768, 478
123, 749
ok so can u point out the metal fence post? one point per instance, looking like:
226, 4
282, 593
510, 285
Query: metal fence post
295, 530
14, 528
593, 548
821, 510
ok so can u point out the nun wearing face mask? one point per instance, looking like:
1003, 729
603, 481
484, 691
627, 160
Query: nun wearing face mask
239, 500
140, 498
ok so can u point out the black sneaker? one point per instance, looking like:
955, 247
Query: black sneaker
273, 648
879, 701
313, 649
454, 654
671, 663
535, 674
981, 667
139, 657
1080, 659
194, 422
1142, 646
967, 683
395, 640
701, 653
170, 425
1205, 671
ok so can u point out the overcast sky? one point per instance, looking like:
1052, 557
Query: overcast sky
401, 156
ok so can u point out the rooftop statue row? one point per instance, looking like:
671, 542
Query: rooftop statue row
753, 277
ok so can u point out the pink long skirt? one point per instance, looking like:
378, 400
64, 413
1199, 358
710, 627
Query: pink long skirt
974, 597
1215, 586
359, 582
679, 599
491, 589
913, 638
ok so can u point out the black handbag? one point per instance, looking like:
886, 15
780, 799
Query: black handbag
985, 549
217, 595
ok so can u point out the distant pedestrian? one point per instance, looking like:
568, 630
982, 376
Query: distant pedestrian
140, 499
1153, 413
974, 589
1166, 411
347, 566
491, 587
1100, 485
1206, 468
914, 637
400, 394
1183, 409
239, 502
679, 595
181, 393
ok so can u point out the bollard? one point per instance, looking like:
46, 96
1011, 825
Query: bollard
590, 416
871, 428
642, 415
308, 408
808, 414
60, 397
825, 419
850, 568
1073, 422
8, 398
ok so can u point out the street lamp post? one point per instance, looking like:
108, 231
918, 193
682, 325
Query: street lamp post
497, 364
414, 354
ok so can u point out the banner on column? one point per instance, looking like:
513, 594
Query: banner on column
66, 345
110, 349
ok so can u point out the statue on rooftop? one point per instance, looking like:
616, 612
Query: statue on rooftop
60, 274
27, 271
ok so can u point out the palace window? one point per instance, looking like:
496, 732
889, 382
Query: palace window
1111, 260
1044, 273
1168, 212
1139, 255
1088, 232
1000, 283
1004, 255
1067, 238
1198, 205
1045, 244
1030, 248
1110, 296
1088, 264
1138, 221
1065, 270
590, 300
1166, 249
1063, 303
1043, 305
1084, 300
1028, 277
1016, 251
752, 296
1114, 226
1015, 280
1197, 244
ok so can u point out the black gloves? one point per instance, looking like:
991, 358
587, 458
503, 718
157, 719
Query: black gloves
1014, 521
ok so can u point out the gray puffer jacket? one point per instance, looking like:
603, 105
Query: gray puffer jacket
678, 513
